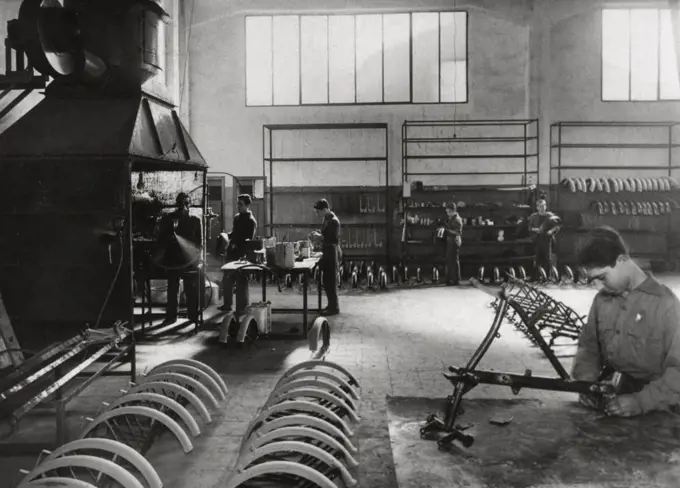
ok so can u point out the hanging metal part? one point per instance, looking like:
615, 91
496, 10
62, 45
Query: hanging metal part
435, 274
496, 275
383, 280
466, 378
395, 275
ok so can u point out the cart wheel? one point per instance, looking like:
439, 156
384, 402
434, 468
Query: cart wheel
496, 275
480, 274
522, 273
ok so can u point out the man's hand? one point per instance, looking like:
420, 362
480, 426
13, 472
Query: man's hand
623, 406
589, 401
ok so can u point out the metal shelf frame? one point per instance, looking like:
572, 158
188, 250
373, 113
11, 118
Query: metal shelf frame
269, 160
530, 133
559, 170
527, 156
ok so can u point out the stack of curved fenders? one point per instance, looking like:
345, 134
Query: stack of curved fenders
175, 395
556, 319
634, 206
303, 434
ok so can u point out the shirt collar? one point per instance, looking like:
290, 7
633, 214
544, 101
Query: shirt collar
651, 286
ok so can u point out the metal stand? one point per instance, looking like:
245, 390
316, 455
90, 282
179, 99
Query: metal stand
466, 378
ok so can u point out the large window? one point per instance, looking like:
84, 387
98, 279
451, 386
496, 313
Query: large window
356, 59
638, 55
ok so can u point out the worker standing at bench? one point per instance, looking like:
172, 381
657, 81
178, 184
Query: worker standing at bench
543, 225
454, 240
332, 254
633, 327
243, 229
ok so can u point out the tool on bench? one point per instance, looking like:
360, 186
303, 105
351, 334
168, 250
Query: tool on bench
466, 378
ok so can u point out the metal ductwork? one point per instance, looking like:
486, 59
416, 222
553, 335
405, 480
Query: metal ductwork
104, 42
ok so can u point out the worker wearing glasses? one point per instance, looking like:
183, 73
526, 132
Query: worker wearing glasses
633, 328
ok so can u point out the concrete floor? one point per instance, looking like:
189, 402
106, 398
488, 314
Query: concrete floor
397, 343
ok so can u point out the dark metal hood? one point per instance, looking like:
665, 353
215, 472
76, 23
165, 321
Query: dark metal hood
81, 126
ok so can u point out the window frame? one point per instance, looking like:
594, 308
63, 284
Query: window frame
658, 98
354, 14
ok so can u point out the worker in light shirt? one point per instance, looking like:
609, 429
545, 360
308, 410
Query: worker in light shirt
633, 328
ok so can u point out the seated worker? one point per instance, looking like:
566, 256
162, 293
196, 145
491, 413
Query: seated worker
453, 230
178, 251
633, 327
242, 230
331, 254
543, 225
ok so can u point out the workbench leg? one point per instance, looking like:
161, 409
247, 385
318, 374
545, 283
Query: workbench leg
60, 410
133, 363
264, 286
320, 294
305, 304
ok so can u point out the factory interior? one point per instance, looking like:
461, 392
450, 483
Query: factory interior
220, 268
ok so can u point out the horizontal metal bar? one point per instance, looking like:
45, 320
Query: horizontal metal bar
469, 122
42, 372
473, 156
617, 168
325, 159
616, 124
471, 188
469, 139
82, 386
325, 126
18, 414
27, 366
614, 146
531, 382
470, 173
343, 224
328, 189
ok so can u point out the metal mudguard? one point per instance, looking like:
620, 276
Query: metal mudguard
259, 439
302, 448
241, 477
172, 426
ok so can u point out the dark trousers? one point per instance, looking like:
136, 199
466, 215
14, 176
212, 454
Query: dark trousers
240, 280
453, 261
543, 256
330, 262
190, 279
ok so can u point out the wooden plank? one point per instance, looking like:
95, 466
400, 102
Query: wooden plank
9, 340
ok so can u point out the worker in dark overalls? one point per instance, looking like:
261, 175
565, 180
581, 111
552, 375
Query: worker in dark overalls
243, 229
332, 254
453, 228
178, 251
543, 225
